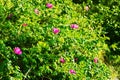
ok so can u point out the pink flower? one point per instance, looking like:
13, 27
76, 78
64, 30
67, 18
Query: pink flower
36, 11
17, 51
95, 60
86, 8
56, 30
49, 5
72, 71
24, 25
62, 60
74, 26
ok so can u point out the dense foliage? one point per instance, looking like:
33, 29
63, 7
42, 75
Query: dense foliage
107, 13
54, 40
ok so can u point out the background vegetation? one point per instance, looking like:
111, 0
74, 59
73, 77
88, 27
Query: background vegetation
65, 39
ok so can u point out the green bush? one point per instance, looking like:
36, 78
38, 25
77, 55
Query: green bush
50, 47
107, 13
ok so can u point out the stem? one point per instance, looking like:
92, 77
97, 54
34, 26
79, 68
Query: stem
4, 56
27, 73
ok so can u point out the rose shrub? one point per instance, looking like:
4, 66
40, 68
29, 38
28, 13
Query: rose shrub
106, 13
53, 40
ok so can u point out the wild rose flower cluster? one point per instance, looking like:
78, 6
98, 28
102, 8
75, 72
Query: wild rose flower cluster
49, 5
72, 71
95, 60
18, 51
24, 24
73, 26
86, 8
36, 11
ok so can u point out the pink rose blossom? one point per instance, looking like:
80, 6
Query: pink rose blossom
86, 8
56, 30
95, 60
74, 26
49, 5
36, 11
17, 51
24, 24
62, 60
72, 71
